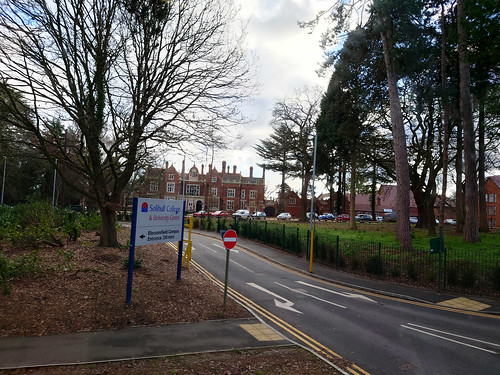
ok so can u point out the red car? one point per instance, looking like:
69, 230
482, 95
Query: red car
343, 217
200, 214
219, 214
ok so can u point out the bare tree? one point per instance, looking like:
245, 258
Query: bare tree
130, 77
298, 116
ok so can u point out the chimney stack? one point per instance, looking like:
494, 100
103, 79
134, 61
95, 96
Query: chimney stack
234, 169
224, 166
251, 172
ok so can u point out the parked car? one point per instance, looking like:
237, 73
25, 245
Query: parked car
364, 217
258, 215
219, 214
390, 217
450, 221
200, 214
284, 216
241, 214
413, 220
308, 215
327, 216
343, 217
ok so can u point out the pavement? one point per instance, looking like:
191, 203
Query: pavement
207, 336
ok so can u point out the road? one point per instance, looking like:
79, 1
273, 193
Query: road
379, 334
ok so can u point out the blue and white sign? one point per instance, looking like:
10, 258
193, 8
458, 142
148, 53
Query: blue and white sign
158, 221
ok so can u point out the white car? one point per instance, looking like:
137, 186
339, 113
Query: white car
242, 214
284, 216
258, 215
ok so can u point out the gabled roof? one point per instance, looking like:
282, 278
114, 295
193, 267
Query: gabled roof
495, 179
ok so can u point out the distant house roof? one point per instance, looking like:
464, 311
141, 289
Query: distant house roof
495, 179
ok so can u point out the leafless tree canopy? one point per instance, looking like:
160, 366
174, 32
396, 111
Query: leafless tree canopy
127, 77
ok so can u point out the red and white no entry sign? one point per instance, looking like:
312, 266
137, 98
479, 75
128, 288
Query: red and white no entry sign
229, 239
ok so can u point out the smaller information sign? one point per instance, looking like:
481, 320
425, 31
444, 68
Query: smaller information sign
158, 221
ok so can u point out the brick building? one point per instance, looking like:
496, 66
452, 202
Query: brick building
209, 190
493, 201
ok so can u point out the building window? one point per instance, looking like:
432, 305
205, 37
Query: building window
193, 174
230, 205
213, 191
171, 176
231, 193
243, 193
170, 187
153, 186
253, 194
492, 210
129, 201
214, 178
492, 198
193, 190
190, 205
242, 205
292, 201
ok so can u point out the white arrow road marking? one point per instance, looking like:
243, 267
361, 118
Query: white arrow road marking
310, 295
284, 305
451, 340
223, 248
348, 295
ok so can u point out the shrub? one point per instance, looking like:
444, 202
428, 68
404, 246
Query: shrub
495, 276
18, 267
411, 268
374, 265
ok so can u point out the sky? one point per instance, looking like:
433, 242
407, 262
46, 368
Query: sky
287, 58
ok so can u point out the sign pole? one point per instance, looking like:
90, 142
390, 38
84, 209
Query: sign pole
229, 239
226, 277
181, 243
131, 253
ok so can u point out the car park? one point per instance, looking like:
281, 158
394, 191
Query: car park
258, 215
284, 216
200, 214
326, 217
308, 215
364, 217
390, 217
241, 214
343, 217
219, 214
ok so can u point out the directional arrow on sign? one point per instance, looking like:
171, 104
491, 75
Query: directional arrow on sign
142, 236
286, 304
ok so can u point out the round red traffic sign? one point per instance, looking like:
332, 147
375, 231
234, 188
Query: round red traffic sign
229, 239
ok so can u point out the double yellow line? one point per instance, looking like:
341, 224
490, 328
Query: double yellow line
306, 340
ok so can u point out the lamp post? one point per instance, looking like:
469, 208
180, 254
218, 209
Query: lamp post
312, 205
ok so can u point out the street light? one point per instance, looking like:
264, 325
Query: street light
312, 205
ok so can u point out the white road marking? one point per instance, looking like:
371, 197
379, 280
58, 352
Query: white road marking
348, 295
286, 304
451, 340
310, 295
242, 266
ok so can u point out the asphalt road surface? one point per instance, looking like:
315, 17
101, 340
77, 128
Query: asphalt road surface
379, 334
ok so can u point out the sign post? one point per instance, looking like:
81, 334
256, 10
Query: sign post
154, 221
229, 239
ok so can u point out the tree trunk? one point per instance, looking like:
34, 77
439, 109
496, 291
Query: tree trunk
108, 236
445, 117
459, 197
471, 226
352, 207
400, 151
483, 218
281, 205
